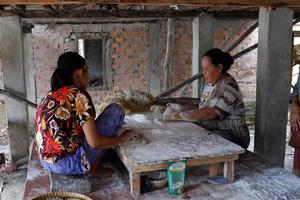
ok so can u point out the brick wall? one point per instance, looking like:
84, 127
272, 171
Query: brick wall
244, 68
4, 140
181, 68
128, 47
127, 53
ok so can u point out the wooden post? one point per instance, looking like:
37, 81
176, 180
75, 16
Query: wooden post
169, 54
154, 47
203, 28
229, 170
135, 183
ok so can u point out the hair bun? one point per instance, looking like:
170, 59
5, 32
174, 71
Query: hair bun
228, 59
217, 56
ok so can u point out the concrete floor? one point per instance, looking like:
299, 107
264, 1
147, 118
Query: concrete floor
13, 183
255, 180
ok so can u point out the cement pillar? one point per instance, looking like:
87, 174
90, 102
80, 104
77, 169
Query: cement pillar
155, 66
273, 83
203, 30
11, 49
29, 73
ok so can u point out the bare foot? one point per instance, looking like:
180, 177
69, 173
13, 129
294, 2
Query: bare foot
100, 172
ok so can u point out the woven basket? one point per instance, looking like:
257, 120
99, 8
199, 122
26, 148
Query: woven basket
62, 196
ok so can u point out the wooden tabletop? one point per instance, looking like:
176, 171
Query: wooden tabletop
165, 141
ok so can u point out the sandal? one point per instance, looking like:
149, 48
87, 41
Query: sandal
218, 180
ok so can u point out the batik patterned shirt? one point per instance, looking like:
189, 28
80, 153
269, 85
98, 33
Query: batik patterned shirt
58, 122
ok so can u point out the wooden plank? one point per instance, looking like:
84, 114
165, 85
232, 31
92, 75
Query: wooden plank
93, 20
17, 97
265, 180
102, 14
174, 141
182, 100
169, 53
245, 51
203, 30
135, 183
242, 37
180, 85
123, 157
154, 48
240, 3
229, 170
191, 162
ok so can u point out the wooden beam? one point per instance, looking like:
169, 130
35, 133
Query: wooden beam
236, 14
180, 85
71, 7
256, 3
296, 20
100, 14
68, 12
186, 101
169, 54
17, 97
247, 50
242, 37
32, 21
19, 7
243, 52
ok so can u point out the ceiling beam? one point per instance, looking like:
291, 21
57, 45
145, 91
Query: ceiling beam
255, 3
100, 14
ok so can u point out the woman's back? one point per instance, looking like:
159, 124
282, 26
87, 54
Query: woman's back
58, 122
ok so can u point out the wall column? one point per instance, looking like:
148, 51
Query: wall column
11, 49
273, 83
203, 31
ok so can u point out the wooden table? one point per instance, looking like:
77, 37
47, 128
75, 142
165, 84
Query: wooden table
166, 141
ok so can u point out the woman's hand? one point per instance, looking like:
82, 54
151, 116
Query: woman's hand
128, 135
171, 114
295, 116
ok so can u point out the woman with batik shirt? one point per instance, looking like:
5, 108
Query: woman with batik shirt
69, 139
221, 108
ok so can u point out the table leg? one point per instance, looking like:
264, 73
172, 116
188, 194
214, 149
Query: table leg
229, 170
135, 183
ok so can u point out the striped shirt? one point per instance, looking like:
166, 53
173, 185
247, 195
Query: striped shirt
226, 96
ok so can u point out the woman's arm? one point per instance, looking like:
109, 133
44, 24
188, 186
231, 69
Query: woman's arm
295, 113
97, 141
200, 114
295, 108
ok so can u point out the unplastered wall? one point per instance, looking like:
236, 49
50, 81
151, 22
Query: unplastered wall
4, 140
244, 68
226, 32
181, 65
127, 54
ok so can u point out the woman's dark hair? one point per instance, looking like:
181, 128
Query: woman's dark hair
67, 63
217, 56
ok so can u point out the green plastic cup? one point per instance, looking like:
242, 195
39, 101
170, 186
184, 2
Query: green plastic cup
176, 176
